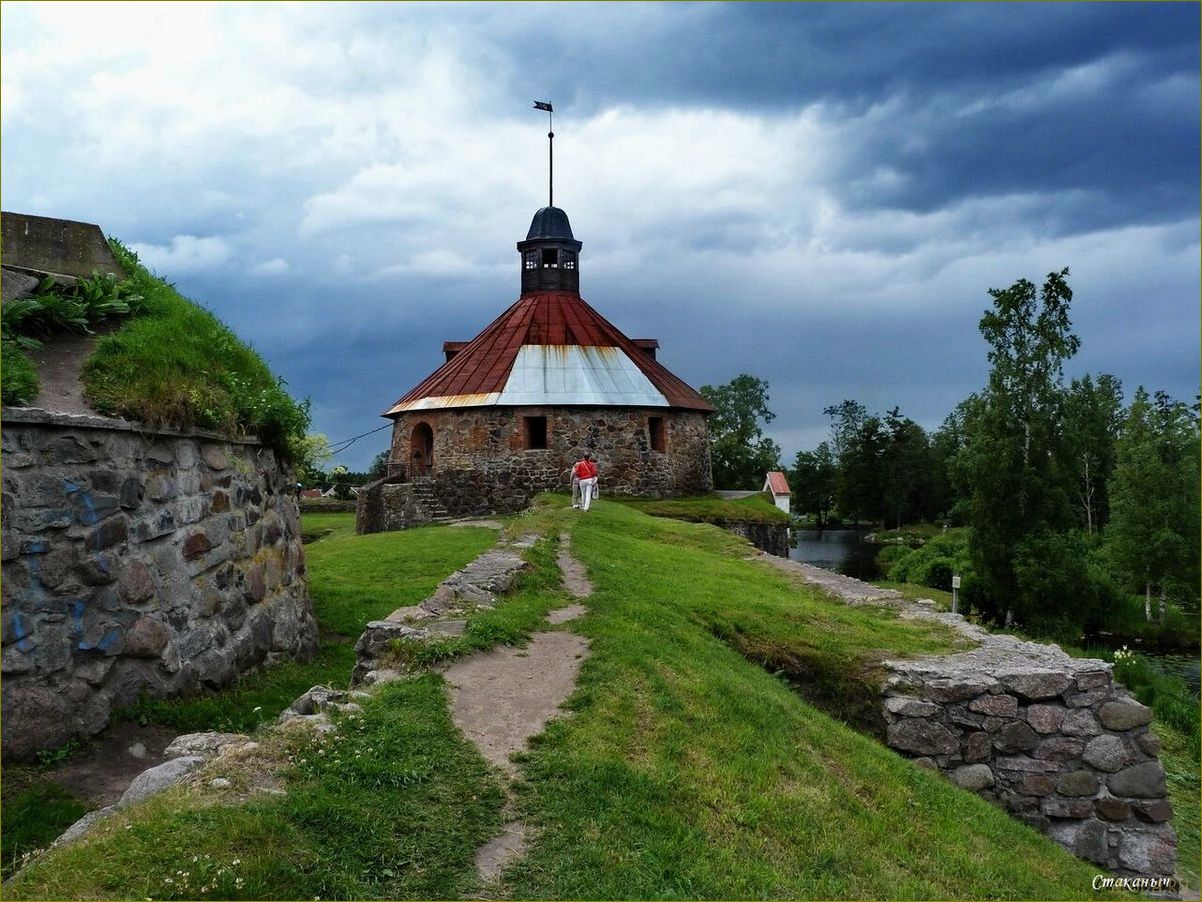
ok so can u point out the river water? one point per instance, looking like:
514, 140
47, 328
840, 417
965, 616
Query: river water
845, 551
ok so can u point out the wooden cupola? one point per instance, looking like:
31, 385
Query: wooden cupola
550, 255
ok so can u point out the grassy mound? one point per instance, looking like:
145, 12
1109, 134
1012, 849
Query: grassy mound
712, 509
685, 770
177, 366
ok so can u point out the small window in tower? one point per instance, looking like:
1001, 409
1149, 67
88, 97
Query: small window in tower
550, 258
569, 260
536, 432
532, 260
655, 429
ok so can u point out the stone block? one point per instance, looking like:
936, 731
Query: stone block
206, 745
1107, 753
1141, 781
1080, 723
1111, 809
154, 526
1058, 807
973, 777
1088, 699
1059, 748
1124, 715
136, 583
1077, 783
1038, 785
112, 532
1045, 718
160, 487
219, 502
156, 779
1035, 684
976, 747
995, 705
1149, 743
1151, 850
920, 737
903, 705
1154, 812
1015, 736
1092, 679
1091, 842
196, 545
1023, 764
147, 638
215, 456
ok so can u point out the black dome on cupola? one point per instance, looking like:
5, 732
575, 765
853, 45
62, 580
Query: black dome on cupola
550, 222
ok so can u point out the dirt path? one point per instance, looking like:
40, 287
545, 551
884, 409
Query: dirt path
59, 363
503, 697
103, 770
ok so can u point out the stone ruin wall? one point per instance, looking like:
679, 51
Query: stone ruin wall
137, 562
1053, 740
481, 464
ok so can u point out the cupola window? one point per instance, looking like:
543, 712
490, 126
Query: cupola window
532, 260
550, 258
569, 260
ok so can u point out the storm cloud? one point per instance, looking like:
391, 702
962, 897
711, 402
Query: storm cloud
817, 194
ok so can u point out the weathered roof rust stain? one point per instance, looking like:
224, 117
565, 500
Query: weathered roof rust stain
551, 318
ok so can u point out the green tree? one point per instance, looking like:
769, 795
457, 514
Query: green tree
1153, 534
907, 478
847, 417
862, 471
1093, 413
742, 454
312, 454
1009, 465
815, 480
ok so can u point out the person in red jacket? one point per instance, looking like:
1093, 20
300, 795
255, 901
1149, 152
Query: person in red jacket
586, 471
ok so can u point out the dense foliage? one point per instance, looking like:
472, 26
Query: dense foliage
54, 309
1072, 502
742, 454
178, 366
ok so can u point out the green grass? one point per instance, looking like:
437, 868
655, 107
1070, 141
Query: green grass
178, 366
18, 376
686, 770
317, 526
912, 534
391, 807
711, 509
352, 579
35, 812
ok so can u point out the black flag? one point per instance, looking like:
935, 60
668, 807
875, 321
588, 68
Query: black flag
543, 105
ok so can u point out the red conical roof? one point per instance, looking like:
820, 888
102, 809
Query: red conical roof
550, 348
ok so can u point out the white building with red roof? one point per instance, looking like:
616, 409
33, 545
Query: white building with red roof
508, 412
777, 485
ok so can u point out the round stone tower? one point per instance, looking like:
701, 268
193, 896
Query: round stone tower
509, 411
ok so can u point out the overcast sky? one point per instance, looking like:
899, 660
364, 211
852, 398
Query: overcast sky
818, 195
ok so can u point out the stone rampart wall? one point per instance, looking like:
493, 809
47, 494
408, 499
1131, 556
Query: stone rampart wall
480, 462
135, 562
1052, 739
770, 537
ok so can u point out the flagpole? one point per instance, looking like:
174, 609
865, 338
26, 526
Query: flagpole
545, 105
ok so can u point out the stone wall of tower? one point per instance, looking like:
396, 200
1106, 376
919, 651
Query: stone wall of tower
481, 462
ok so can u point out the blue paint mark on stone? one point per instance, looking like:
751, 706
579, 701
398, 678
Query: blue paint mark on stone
37, 548
19, 625
109, 639
71, 487
88, 515
26, 644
